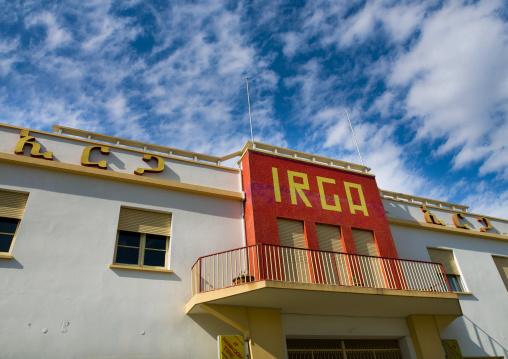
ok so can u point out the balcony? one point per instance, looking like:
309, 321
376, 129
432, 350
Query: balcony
323, 283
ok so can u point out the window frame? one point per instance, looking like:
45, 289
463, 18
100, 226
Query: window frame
18, 201
458, 277
501, 276
8, 254
141, 254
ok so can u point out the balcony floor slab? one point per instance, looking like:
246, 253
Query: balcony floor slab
324, 299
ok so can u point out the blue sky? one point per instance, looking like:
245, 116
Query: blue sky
425, 82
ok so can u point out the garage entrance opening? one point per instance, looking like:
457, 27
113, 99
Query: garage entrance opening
343, 349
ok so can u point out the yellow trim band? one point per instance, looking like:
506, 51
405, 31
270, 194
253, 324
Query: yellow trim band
119, 176
434, 227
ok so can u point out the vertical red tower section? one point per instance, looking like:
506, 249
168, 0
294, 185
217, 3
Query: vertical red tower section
278, 187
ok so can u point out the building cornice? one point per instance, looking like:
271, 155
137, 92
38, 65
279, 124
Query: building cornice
433, 227
119, 176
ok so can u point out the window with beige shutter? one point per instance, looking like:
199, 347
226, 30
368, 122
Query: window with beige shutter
371, 272
502, 267
294, 260
334, 265
12, 206
364, 242
329, 238
446, 258
143, 238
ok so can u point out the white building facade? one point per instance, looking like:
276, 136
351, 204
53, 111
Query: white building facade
111, 248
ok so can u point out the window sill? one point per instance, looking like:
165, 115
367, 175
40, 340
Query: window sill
465, 293
5, 256
146, 269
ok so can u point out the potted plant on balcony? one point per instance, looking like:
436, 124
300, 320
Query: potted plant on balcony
243, 277
357, 280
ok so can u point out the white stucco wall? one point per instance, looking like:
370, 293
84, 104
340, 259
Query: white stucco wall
66, 241
483, 329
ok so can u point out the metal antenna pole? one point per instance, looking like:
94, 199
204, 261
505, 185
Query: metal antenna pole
354, 137
250, 117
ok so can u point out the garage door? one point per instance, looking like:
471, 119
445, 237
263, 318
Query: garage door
342, 349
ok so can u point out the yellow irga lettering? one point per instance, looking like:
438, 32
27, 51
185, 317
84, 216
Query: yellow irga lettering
353, 207
276, 186
298, 187
322, 196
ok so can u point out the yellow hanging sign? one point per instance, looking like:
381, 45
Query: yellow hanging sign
452, 349
231, 347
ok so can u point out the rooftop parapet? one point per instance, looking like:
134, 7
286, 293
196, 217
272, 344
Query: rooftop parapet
422, 200
302, 156
136, 144
62, 130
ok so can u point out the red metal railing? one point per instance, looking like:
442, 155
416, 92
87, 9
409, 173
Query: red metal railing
278, 263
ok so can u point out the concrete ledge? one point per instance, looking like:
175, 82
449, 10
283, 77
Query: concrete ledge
325, 299
117, 266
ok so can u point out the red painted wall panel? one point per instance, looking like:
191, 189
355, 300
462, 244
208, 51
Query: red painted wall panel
262, 208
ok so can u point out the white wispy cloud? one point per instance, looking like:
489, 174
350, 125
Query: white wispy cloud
454, 88
190, 83
55, 34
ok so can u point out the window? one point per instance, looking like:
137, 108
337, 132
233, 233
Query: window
502, 267
370, 273
291, 233
12, 206
329, 238
445, 257
364, 242
143, 238
8, 228
295, 261
334, 266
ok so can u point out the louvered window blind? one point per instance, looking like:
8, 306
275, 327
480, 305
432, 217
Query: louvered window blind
445, 257
502, 267
135, 220
294, 261
329, 238
371, 271
12, 204
291, 233
364, 242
